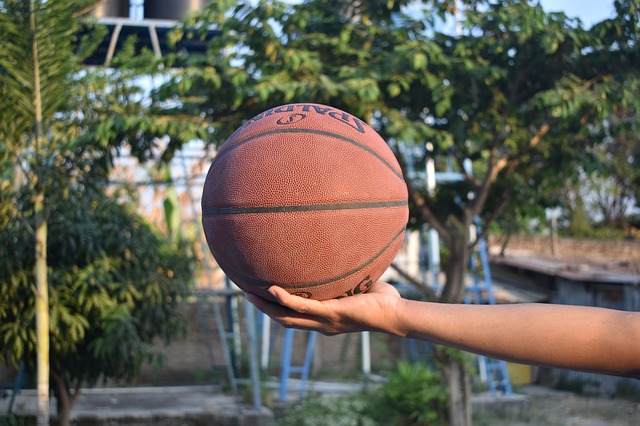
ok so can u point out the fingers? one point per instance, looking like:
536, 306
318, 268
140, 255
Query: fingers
266, 306
297, 303
288, 317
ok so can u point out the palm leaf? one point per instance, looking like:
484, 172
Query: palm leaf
36, 60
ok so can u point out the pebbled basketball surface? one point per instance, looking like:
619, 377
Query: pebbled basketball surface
306, 197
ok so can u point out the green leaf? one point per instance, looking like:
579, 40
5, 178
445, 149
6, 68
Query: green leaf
419, 61
394, 89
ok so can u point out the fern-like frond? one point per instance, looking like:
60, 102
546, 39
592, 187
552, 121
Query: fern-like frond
36, 60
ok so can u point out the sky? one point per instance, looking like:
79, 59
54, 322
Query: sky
589, 11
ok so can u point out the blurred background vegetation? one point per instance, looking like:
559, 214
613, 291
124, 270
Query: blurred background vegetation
542, 108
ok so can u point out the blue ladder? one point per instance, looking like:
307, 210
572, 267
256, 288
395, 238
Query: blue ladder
268, 337
230, 337
288, 369
481, 292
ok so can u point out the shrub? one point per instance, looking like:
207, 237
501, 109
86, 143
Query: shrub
349, 410
414, 394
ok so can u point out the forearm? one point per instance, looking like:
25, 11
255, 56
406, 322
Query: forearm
580, 338
590, 339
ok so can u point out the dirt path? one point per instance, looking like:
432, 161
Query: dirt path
555, 408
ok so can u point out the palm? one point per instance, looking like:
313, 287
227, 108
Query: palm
335, 316
362, 312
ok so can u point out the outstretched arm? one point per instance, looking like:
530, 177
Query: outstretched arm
576, 337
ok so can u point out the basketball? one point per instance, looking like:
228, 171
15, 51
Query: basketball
306, 197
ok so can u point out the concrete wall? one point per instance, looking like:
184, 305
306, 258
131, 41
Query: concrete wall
188, 360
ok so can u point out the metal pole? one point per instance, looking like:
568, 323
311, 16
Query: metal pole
253, 354
266, 342
366, 352
285, 369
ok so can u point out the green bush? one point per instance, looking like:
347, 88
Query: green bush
349, 410
414, 394
12, 420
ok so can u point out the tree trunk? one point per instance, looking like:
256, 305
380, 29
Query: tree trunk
456, 269
65, 399
455, 372
64, 414
459, 392
64, 405
42, 313
42, 289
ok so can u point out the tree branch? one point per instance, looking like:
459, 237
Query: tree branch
76, 392
484, 231
426, 214
428, 292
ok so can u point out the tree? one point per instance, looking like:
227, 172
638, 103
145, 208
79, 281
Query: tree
525, 86
33, 83
517, 92
514, 92
606, 192
100, 282
605, 187
114, 284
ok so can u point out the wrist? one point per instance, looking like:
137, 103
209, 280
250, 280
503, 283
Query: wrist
397, 321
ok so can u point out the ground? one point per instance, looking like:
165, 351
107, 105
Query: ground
198, 405
532, 405
557, 408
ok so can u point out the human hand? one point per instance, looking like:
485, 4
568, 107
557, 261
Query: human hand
373, 310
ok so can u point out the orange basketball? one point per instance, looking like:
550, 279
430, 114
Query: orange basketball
306, 197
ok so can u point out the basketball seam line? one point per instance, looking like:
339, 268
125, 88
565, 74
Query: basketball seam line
223, 153
302, 208
264, 283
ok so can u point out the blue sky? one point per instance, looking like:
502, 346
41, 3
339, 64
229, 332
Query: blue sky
589, 11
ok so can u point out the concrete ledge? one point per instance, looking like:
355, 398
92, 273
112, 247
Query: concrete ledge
207, 405
164, 406
501, 406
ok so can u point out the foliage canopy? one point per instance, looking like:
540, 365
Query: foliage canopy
112, 281
519, 92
